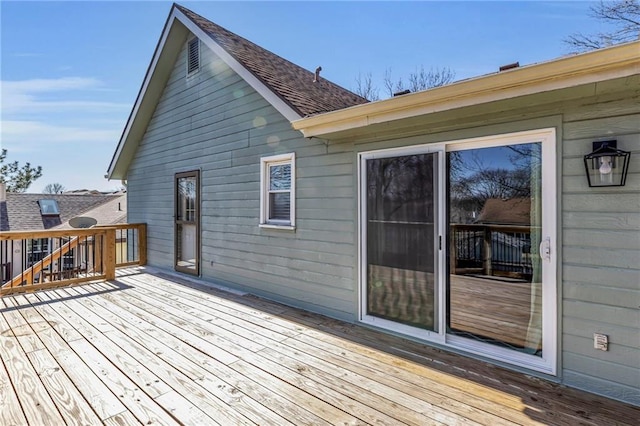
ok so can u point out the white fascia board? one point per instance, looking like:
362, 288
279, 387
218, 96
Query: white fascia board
592, 67
142, 93
277, 102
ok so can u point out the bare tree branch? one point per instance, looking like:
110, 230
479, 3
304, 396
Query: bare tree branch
419, 80
624, 15
365, 87
54, 188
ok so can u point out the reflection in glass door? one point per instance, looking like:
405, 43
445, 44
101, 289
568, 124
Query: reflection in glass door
494, 280
401, 232
187, 222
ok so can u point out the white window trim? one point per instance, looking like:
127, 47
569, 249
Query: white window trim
195, 71
265, 162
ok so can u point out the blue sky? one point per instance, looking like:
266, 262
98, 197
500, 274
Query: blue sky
70, 71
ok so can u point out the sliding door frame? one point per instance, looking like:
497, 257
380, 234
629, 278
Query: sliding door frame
547, 363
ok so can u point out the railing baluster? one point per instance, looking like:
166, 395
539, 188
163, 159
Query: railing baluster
44, 259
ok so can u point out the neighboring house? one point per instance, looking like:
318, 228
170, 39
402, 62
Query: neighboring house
39, 212
254, 173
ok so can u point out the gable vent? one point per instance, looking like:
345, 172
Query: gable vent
193, 60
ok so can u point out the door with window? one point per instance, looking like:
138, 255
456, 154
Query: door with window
187, 222
458, 245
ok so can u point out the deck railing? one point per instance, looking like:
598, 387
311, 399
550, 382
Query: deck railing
33, 260
503, 250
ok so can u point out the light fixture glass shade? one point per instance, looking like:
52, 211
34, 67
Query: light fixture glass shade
606, 165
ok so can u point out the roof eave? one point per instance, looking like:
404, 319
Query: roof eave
614, 62
169, 45
164, 52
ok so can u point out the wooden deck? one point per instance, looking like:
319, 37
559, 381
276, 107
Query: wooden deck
144, 349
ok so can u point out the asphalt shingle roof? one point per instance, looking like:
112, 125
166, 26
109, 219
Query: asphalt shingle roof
21, 212
291, 83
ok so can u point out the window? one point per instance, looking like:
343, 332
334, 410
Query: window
193, 56
277, 197
37, 249
48, 207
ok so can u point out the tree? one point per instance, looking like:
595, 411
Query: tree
365, 88
419, 80
416, 81
54, 188
623, 15
17, 178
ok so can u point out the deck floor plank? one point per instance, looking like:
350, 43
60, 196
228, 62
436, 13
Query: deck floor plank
158, 349
136, 369
211, 313
10, 409
541, 400
248, 385
72, 406
201, 317
104, 403
184, 311
254, 329
302, 381
70, 402
123, 419
193, 366
567, 417
21, 330
37, 405
200, 407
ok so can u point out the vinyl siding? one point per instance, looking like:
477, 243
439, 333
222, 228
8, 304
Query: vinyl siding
601, 255
214, 122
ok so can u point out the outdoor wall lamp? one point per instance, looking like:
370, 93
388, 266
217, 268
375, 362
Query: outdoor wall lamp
606, 165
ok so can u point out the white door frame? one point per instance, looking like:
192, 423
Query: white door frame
547, 137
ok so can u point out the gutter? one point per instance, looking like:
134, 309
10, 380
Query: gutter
600, 65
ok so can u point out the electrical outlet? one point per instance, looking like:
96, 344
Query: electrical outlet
601, 341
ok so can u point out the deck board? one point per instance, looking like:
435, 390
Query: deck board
150, 349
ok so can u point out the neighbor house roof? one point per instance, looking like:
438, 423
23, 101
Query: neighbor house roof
511, 211
111, 212
21, 212
567, 72
290, 89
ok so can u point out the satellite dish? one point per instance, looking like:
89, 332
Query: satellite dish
82, 222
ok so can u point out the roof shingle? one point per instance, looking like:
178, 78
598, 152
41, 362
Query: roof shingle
21, 212
293, 84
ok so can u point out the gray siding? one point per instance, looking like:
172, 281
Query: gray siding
213, 122
601, 256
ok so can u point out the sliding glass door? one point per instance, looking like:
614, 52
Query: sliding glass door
457, 245
401, 229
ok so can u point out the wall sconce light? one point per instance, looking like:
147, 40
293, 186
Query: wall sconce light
606, 165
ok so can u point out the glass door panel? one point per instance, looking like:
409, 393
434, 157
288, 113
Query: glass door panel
187, 222
401, 233
494, 280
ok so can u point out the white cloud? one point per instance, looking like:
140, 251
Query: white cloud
70, 126
33, 135
25, 96
50, 84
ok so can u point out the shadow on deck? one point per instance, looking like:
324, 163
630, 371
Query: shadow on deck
151, 348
